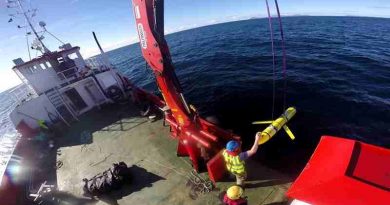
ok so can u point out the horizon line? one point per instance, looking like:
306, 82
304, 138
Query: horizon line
241, 19
86, 56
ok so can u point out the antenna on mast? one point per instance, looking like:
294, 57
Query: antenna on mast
20, 10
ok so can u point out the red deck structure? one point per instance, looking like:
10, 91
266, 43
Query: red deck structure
197, 138
343, 171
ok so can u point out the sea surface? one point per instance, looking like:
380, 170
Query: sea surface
338, 78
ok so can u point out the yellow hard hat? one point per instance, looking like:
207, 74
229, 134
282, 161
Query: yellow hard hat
234, 192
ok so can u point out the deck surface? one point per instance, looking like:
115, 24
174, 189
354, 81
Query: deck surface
118, 133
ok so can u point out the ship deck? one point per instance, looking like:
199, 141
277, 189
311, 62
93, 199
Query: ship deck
119, 133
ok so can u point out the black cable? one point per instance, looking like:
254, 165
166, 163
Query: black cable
284, 55
55, 37
273, 59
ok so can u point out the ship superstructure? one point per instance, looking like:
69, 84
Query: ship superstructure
62, 84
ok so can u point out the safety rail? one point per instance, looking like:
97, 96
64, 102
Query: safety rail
68, 74
21, 93
97, 63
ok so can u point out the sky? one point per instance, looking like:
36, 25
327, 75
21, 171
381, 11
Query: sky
74, 20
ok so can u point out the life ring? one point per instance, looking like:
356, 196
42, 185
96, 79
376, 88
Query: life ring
115, 93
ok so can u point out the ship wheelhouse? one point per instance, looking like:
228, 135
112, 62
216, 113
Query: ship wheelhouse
62, 86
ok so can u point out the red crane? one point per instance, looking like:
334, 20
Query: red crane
197, 138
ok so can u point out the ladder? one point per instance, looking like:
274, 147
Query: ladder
64, 111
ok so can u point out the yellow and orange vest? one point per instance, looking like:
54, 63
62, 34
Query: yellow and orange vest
233, 163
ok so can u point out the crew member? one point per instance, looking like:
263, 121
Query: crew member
235, 159
233, 196
84, 71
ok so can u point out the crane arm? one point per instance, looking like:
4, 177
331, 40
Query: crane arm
149, 16
197, 138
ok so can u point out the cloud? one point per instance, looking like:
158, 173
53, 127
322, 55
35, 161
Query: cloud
170, 30
14, 37
8, 79
212, 21
93, 50
74, 1
62, 23
121, 43
3, 4
381, 7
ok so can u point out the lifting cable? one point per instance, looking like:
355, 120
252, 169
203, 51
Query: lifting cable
284, 55
273, 57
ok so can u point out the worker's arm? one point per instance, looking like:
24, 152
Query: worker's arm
255, 146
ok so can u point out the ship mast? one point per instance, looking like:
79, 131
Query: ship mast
45, 49
18, 5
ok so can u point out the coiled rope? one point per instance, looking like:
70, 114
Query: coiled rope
198, 185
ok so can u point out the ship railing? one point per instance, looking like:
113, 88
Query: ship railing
68, 75
73, 74
22, 93
97, 63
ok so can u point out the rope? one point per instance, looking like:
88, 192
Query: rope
167, 167
198, 185
55, 37
273, 58
28, 47
284, 55
28, 44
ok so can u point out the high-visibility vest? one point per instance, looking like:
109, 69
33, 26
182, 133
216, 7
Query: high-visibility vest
233, 163
41, 124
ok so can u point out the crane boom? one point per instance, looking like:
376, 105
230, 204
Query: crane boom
198, 139
149, 17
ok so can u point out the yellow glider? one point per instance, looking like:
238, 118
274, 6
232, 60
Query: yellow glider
276, 125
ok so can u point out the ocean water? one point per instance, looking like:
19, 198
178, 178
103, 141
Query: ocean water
8, 134
7, 129
338, 78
